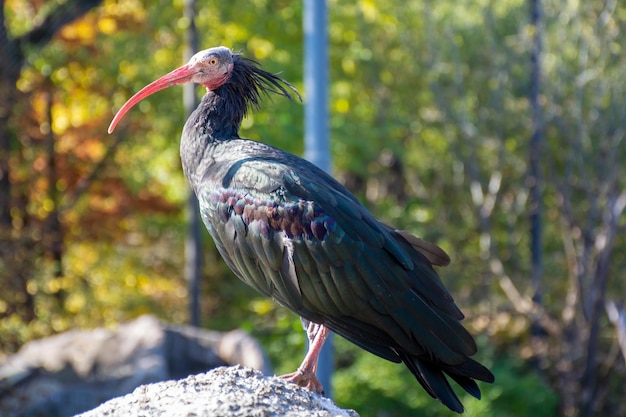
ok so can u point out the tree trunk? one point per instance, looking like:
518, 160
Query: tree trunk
597, 298
12, 60
193, 242
534, 175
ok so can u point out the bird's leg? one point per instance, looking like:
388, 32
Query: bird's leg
305, 375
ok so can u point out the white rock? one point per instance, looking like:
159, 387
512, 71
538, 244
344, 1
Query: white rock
226, 391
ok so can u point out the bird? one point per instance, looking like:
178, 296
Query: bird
295, 234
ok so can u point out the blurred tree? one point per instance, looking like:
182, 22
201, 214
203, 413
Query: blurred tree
584, 192
585, 110
26, 237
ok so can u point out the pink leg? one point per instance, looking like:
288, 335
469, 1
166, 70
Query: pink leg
305, 375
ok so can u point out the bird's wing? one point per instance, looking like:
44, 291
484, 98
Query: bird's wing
294, 233
432, 252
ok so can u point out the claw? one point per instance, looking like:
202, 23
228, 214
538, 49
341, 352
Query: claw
306, 380
305, 375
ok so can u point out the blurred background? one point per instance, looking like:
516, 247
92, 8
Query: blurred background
493, 128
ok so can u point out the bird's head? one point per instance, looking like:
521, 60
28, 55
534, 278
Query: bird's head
210, 68
214, 68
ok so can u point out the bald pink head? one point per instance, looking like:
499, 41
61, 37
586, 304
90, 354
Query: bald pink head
210, 68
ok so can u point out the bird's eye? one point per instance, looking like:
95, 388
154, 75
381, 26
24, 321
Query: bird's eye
213, 61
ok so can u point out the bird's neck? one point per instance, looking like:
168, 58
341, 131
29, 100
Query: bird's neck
218, 115
216, 119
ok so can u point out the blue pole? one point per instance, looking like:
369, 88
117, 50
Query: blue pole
316, 143
316, 148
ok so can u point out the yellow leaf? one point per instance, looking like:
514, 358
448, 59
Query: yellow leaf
75, 302
342, 105
107, 25
81, 30
261, 48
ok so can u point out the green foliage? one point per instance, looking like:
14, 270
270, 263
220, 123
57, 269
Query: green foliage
378, 388
520, 391
102, 284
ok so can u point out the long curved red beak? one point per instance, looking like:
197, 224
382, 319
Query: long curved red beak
178, 76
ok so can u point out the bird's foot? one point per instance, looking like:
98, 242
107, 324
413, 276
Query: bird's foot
306, 380
305, 375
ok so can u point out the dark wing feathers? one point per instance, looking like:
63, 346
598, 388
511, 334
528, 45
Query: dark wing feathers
297, 235
432, 252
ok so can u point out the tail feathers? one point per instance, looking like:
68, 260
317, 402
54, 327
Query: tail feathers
468, 384
435, 383
431, 376
471, 369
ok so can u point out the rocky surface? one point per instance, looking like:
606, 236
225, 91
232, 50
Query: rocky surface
226, 391
69, 373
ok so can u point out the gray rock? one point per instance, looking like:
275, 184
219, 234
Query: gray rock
68, 373
225, 391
